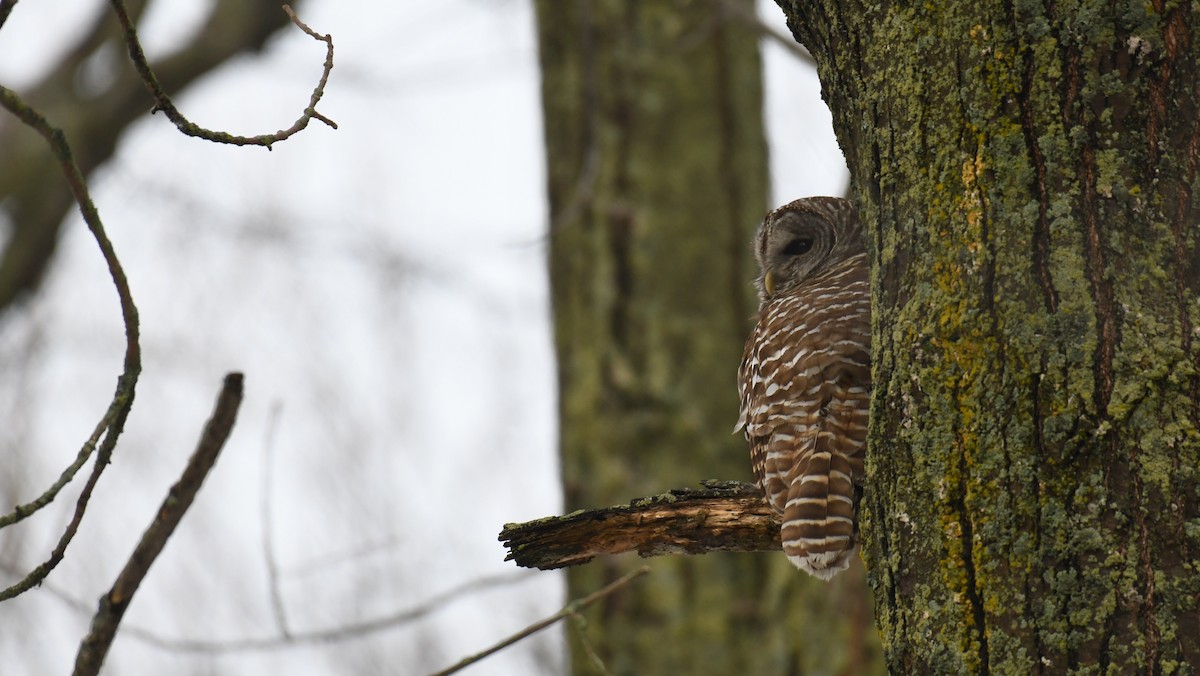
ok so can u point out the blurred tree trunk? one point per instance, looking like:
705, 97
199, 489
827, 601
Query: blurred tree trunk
1028, 172
93, 94
657, 178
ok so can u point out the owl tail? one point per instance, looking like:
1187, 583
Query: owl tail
818, 518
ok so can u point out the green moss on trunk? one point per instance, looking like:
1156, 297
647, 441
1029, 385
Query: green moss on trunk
1027, 174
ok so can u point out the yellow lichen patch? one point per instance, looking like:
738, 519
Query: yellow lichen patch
972, 199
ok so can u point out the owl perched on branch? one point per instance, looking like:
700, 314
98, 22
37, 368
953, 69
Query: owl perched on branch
805, 377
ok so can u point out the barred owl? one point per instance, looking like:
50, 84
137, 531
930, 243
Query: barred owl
805, 377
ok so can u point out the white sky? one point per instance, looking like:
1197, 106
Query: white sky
383, 288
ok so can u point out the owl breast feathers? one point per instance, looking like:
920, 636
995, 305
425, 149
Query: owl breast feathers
805, 377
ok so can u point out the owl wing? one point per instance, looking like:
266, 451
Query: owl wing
805, 386
819, 526
778, 424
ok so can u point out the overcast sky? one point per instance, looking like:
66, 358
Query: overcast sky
383, 288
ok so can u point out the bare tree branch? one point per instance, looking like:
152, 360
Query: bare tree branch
113, 421
33, 203
24, 511
338, 634
6, 8
749, 18
723, 516
163, 101
322, 564
268, 541
579, 624
113, 605
99, 32
570, 610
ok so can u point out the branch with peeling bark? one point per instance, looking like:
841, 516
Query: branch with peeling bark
723, 516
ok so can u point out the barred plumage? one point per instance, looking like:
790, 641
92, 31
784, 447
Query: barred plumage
805, 377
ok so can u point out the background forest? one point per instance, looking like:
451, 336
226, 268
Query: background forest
385, 288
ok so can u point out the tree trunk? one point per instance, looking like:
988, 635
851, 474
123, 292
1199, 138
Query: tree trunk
1027, 173
657, 179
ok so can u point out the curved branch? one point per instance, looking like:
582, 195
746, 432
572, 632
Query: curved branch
163, 101
34, 204
722, 516
113, 422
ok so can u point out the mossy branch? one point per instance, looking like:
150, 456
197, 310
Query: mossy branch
726, 516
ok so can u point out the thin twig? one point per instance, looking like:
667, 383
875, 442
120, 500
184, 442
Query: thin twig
748, 17
321, 636
115, 423
579, 624
277, 607
338, 634
321, 564
22, 512
100, 32
326, 69
570, 610
163, 101
113, 605
109, 429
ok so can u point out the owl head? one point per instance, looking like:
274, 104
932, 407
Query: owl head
802, 239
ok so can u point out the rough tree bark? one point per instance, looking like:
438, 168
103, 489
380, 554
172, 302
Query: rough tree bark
1027, 171
657, 179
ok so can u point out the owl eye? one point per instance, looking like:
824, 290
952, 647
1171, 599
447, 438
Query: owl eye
798, 246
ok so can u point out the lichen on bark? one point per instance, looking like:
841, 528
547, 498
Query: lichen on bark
1027, 174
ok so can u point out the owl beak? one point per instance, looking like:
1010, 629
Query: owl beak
769, 283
